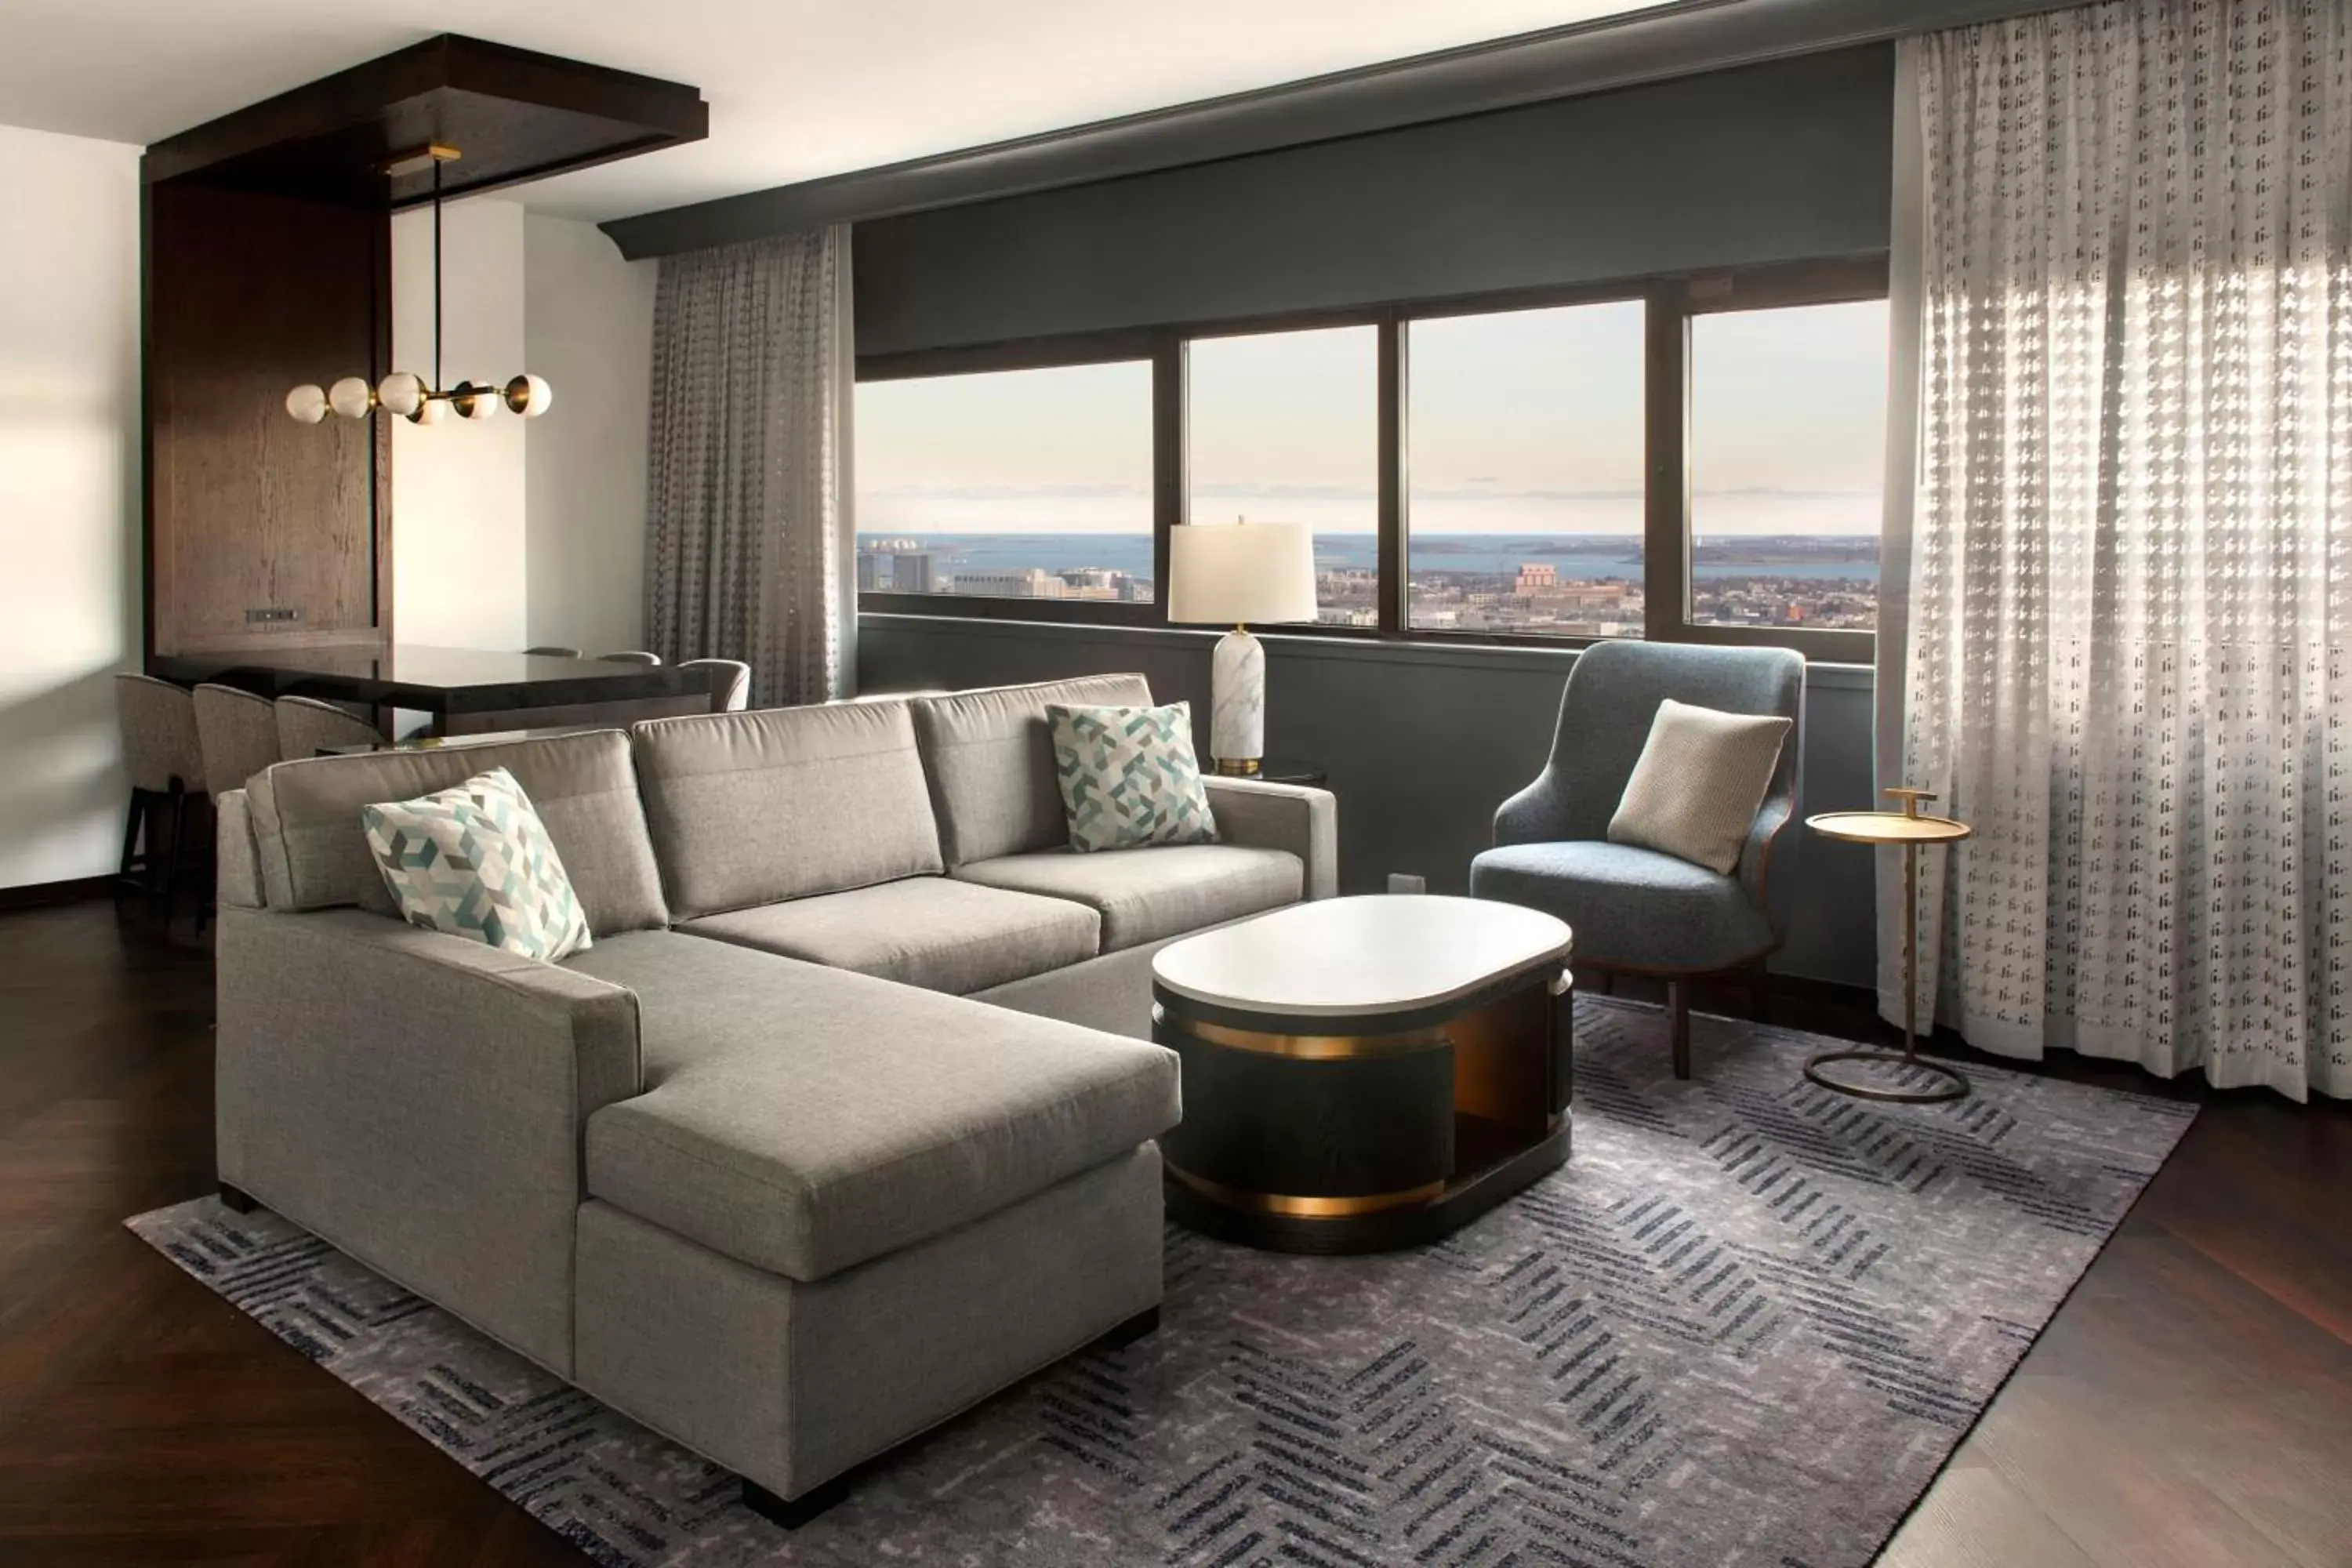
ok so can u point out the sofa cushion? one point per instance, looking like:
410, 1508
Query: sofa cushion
804, 1119
930, 931
749, 808
314, 851
1146, 894
991, 760
1628, 906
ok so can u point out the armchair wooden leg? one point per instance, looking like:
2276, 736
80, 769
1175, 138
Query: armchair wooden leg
1678, 1024
1605, 981
1759, 992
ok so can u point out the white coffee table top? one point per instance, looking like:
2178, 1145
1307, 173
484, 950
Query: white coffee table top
1378, 954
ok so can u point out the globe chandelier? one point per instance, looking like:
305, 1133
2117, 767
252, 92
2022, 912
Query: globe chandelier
409, 395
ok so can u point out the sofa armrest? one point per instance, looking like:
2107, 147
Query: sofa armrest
1260, 815
421, 1101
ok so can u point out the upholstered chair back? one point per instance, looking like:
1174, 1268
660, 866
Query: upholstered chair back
160, 744
307, 727
730, 682
237, 734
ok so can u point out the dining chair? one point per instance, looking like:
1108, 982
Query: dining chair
632, 656
307, 727
553, 652
237, 733
730, 682
164, 758
1632, 910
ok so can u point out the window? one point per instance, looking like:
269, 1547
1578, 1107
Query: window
1787, 422
1285, 427
1524, 511
1697, 459
1013, 484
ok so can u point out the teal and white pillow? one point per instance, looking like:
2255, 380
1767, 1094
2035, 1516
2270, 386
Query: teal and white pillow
1128, 776
476, 861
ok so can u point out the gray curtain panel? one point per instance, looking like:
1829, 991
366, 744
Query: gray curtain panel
751, 537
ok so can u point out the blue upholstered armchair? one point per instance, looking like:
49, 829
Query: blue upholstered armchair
1635, 909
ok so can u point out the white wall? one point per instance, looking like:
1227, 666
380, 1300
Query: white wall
69, 598
591, 317
460, 576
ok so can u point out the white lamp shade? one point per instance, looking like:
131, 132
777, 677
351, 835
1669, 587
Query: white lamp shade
475, 401
307, 402
432, 411
1230, 574
352, 398
400, 392
529, 396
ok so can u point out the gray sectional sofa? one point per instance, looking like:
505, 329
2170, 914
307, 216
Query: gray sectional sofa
763, 1167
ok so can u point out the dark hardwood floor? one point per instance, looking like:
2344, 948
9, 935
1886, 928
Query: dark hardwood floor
2190, 1407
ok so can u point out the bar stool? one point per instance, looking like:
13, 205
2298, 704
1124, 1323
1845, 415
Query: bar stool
164, 758
730, 682
632, 656
237, 733
307, 727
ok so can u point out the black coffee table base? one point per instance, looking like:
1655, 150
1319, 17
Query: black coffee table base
1404, 1128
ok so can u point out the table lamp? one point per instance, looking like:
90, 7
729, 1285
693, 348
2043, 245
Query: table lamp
1231, 574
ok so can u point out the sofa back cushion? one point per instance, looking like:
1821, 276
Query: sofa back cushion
784, 803
990, 755
314, 849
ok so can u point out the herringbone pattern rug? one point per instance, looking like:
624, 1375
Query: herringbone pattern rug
1743, 1326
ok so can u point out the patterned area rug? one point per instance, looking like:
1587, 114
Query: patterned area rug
1743, 1326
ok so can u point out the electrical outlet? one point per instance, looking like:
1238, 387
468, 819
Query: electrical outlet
1403, 882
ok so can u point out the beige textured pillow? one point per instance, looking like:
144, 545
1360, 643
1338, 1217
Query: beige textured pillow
1702, 774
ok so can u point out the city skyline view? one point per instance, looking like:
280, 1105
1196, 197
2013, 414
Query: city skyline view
1524, 444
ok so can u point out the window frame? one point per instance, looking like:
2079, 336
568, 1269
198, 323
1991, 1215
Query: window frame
1162, 350
1670, 303
1761, 289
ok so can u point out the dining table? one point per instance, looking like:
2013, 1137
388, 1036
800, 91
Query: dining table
467, 690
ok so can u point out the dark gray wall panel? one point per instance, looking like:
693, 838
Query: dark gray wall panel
1421, 743
1778, 161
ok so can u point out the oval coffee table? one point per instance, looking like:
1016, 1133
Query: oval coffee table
1364, 1073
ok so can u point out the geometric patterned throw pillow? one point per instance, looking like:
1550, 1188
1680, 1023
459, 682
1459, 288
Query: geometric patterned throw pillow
476, 861
1128, 776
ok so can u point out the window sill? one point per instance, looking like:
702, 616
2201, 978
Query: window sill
1287, 645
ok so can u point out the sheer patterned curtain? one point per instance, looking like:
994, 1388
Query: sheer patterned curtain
2130, 589
750, 536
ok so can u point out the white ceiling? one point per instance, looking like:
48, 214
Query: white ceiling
797, 87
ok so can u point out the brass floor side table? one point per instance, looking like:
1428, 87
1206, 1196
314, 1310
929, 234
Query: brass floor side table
1909, 829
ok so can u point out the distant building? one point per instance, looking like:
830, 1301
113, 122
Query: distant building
872, 573
1534, 575
1024, 583
912, 572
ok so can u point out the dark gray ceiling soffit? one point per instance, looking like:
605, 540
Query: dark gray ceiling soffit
1676, 39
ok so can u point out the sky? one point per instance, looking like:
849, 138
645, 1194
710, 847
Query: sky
1527, 421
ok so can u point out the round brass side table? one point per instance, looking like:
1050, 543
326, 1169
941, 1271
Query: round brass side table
1909, 828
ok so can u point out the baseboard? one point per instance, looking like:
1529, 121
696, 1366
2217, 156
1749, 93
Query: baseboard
39, 895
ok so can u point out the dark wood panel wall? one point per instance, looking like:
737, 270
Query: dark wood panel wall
261, 531
268, 264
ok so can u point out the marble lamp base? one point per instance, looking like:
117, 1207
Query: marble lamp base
1237, 697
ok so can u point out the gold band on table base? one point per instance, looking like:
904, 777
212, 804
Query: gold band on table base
1308, 1208
1238, 767
1314, 1048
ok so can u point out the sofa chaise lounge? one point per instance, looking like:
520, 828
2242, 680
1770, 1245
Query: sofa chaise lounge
840, 1126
